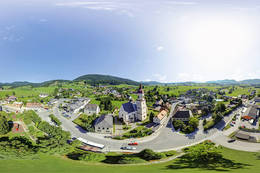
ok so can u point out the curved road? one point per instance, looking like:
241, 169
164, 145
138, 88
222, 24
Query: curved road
164, 140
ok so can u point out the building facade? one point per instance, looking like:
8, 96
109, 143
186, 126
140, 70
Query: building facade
134, 111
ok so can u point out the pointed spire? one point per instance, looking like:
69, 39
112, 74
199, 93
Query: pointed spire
140, 90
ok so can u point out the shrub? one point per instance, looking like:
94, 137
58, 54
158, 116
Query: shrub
138, 132
17, 147
97, 157
4, 125
148, 154
55, 120
130, 160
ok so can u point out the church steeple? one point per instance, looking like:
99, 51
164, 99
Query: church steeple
140, 90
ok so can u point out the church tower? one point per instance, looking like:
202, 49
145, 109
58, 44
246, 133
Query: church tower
141, 105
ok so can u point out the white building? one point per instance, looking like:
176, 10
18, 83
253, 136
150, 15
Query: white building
161, 117
134, 111
91, 109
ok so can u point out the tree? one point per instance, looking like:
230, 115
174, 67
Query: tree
178, 124
217, 117
151, 117
4, 125
194, 122
204, 153
220, 107
204, 122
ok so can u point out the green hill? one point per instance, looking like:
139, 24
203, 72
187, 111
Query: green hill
94, 79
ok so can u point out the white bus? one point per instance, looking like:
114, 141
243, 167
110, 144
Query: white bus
91, 143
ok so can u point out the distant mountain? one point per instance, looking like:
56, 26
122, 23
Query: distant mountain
234, 82
43, 84
225, 82
94, 79
251, 81
151, 83
105, 79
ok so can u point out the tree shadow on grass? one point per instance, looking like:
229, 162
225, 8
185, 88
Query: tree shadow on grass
221, 164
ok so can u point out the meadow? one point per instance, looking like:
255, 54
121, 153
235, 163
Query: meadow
241, 162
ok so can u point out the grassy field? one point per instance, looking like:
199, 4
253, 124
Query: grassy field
244, 162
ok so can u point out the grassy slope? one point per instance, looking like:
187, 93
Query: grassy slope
55, 164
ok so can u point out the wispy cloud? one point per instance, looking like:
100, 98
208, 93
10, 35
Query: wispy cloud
187, 77
160, 77
8, 34
182, 2
159, 48
120, 7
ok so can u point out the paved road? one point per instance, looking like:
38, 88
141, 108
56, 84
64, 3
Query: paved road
165, 139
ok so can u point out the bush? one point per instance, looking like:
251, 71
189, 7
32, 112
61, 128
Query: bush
17, 147
31, 116
169, 153
209, 125
138, 132
130, 160
148, 154
97, 157
55, 120
4, 125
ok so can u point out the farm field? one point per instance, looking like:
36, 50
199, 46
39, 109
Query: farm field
246, 163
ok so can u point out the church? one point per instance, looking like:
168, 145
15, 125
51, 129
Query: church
134, 111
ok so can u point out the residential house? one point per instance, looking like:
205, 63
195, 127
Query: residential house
43, 95
11, 99
161, 117
17, 104
104, 124
33, 105
91, 109
182, 114
252, 112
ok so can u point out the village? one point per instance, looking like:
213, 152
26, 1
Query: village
143, 113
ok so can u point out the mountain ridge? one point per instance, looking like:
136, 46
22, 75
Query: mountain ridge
95, 79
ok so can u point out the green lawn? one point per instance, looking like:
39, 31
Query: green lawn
246, 163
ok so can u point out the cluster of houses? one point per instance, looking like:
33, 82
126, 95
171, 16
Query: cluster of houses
251, 113
75, 105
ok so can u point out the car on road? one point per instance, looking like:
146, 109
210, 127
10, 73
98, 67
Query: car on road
128, 148
231, 140
107, 136
133, 143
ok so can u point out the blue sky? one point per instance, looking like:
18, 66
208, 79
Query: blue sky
162, 40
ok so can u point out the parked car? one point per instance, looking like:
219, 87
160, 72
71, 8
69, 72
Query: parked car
133, 143
231, 140
128, 148
232, 124
107, 136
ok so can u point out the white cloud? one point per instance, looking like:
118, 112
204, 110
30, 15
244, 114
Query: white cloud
159, 48
160, 77
120, 7
187, 77
182, 2
9, 34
